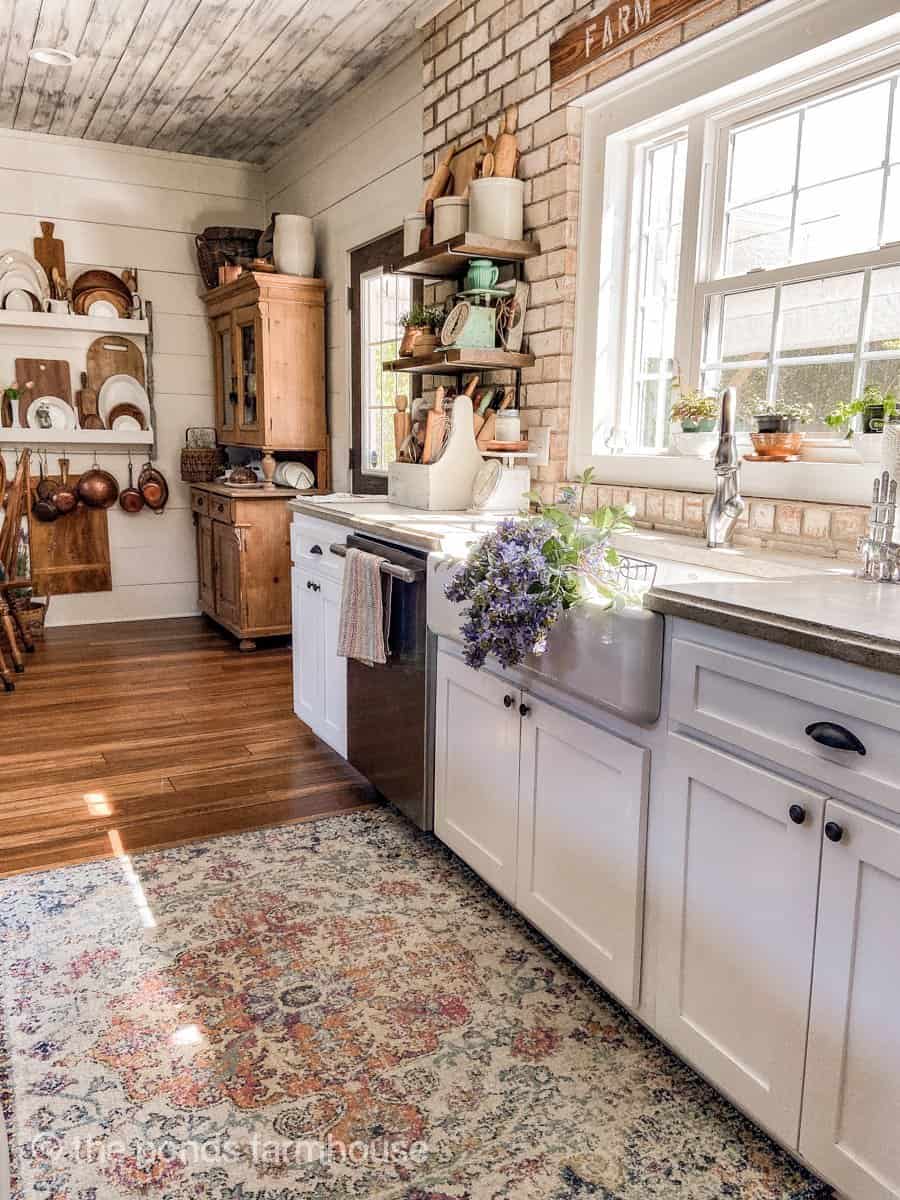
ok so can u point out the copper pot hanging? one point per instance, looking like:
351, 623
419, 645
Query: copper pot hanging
98, 488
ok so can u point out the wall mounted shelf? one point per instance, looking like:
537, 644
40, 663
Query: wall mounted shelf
460, 362
448, 260
76, 438
70, 321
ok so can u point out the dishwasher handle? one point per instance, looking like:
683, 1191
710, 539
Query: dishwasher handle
404, 574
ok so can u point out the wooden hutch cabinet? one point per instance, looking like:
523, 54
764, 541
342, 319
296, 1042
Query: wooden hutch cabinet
268, 334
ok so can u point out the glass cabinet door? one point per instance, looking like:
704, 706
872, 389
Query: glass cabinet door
248, 354
226, 374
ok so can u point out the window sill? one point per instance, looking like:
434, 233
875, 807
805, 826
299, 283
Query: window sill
827, 483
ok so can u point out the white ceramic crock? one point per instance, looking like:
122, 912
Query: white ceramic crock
294, 245
497, 207
450, 217
413, 224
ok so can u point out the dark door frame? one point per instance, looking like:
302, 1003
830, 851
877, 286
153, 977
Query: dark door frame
382, 252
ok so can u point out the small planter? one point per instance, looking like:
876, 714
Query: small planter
873, 419
696, 444
777, 446
773, 423
425, 344
706, 425
411, 335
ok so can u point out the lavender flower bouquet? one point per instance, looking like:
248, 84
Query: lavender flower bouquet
519, 579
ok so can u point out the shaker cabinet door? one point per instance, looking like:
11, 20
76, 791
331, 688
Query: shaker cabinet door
227, 553
307, 647
205, 564
477, 770
743, 848
333, 717
582, 820
851, 1103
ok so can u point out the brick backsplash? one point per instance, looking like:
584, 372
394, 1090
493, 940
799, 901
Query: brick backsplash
788, 526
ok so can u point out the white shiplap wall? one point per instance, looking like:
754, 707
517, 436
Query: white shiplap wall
116, 207
357, 171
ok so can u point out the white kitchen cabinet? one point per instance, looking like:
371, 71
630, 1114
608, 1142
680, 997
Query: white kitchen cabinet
476, 768
320, 677
851, 1109
582, 819
736, 953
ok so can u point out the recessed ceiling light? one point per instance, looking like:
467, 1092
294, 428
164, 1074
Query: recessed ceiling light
52, 57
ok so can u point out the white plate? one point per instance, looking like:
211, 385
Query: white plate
16, 281
19, 261
102, 308
60, 414
125, 422
294, 475
18, 300
122, 389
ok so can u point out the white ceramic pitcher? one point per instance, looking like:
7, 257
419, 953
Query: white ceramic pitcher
294, 245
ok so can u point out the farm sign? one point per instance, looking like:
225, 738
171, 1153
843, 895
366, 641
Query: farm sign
608, 31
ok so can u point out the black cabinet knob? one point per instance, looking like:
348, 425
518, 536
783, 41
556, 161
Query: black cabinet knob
833, 831
797, 813
508, 701
826, 733
524, 710
315, 549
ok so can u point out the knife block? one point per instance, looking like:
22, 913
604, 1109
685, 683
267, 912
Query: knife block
446, 485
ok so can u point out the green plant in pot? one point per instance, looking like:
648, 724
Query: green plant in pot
695, 412
781, 416
421, 326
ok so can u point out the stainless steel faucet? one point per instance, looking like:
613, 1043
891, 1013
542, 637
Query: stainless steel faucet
727, 503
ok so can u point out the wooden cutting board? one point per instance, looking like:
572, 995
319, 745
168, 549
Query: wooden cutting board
72, 554
50, 251
86, 402
113, 355
41, 377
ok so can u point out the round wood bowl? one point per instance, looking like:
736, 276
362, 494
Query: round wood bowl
104, 281
84, 300
126, 410
776, 445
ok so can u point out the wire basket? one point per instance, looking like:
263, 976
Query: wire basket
632, 575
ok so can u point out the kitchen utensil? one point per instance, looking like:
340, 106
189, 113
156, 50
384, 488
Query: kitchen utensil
50, 412
98, 488
41, 377
102, 302
113, 355
86, 400
100, 280
488, 431
130, 279
126, 416
401, 421
434, 428
59, 285
122, 391
437, 185
44, 488
17, 260
506, 148
20, 300
153, 487
64, 497
42, 507
130, 498
50, 252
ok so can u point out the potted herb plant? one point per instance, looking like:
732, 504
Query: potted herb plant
781, 416
421, 325
876, 410
697, 416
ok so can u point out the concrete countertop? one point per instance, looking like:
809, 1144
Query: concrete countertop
810, 603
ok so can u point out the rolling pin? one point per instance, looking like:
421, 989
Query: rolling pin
434, 428
437, 185
505, 157
402, 423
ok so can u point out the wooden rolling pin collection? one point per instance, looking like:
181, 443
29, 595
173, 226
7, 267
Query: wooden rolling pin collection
420, 436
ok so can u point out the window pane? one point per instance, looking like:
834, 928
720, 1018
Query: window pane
838, 218
884, 373
764, 159
750, 384
740, 326
384, 299
823, 385
845, 135
884, 310
892, 210
821, 317
759, 235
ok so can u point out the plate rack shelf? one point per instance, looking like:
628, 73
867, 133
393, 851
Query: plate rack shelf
89, 439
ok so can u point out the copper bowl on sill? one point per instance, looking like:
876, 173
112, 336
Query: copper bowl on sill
777, 445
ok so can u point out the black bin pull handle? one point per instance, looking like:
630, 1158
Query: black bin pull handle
836, 736
315, 549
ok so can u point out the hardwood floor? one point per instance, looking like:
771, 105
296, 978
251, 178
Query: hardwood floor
120, 738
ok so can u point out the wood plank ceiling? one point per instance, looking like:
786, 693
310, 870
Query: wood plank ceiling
227, 78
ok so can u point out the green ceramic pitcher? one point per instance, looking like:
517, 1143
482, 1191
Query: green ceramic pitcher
482, 273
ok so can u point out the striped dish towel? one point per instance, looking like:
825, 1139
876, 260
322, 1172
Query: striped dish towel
365, 609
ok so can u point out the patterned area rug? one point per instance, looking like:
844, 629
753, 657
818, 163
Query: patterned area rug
334, 1010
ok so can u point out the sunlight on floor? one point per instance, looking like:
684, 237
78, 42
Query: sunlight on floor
97, 804
134, 883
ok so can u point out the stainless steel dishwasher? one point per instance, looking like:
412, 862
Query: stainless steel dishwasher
388, 706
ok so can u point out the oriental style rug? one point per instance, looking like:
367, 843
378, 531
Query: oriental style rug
333, 1010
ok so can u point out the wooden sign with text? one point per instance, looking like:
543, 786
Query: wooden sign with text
605, 33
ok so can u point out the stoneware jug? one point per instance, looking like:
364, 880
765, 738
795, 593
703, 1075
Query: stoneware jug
294, 245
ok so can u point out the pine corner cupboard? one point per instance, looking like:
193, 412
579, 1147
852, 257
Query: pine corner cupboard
268, 335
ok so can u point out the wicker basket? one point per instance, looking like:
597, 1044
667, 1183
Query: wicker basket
220, 244
33, 614
200, 464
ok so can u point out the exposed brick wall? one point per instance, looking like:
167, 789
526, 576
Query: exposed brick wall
481, 56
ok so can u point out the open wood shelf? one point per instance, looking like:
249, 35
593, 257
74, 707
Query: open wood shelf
449, 259
73, 322
459, 362
76, 437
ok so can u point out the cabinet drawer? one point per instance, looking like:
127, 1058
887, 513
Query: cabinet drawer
767, 709
221, 508
310, 542
200, 502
